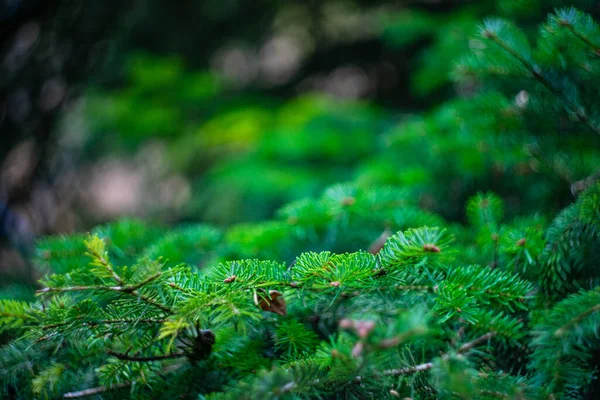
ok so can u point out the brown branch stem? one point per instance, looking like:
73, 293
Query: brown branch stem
93, 391
426, 366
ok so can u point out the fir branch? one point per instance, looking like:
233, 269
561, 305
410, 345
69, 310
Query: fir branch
566, 18
129, 289
435, 288
153, 302
107, 322
13, 314
127, 357
537, 74
144, 282
102, 389
581, 37
95, 247
416, 288
576, 320
428, 365
124, 289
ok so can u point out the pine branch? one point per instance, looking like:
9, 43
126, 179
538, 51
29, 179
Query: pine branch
426, 366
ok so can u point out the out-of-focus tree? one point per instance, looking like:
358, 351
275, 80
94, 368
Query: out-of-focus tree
49, 51
171, 126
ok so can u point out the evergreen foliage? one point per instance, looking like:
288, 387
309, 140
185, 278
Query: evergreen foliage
361, 292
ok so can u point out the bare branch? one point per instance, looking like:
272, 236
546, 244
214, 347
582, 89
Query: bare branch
93, 391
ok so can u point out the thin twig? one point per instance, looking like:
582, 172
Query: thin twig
145, 281
426, 366
576, 320
108, 322
418, 288
408, 370
127, 357
476, 342
80, 288
127, 289
93, 391
122, 288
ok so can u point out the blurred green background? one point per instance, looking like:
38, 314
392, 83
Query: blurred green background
223, 111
